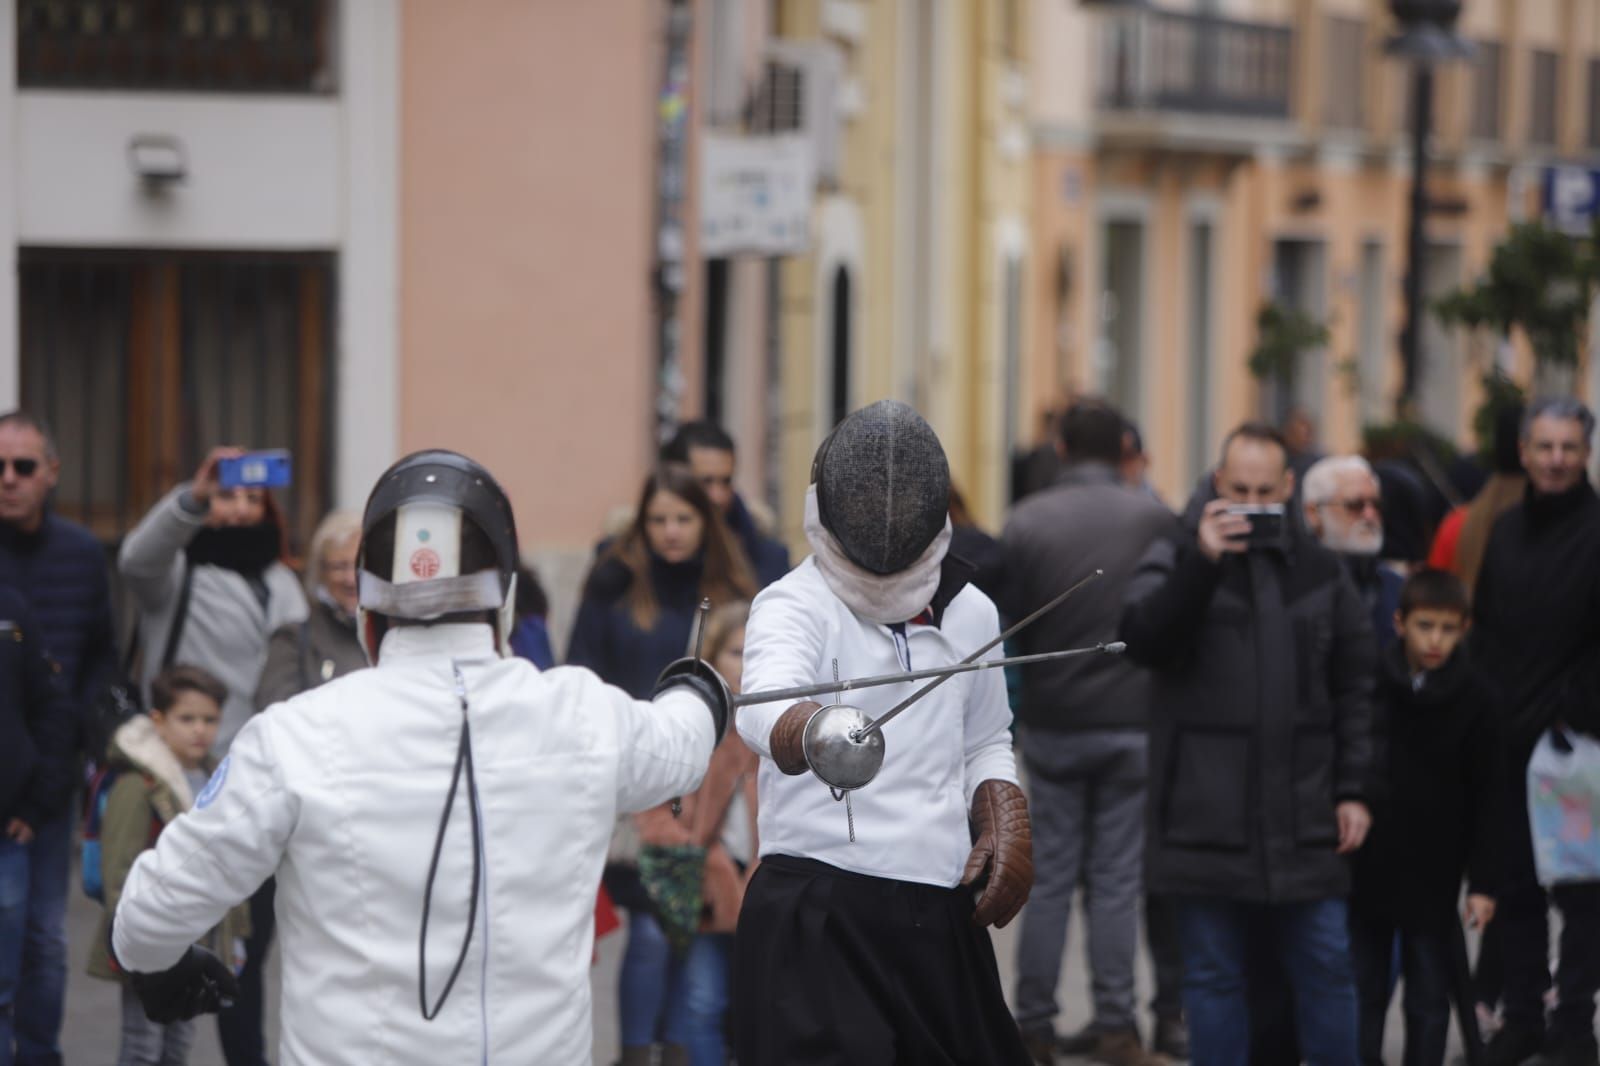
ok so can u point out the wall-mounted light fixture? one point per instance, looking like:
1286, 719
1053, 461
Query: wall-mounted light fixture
158, 160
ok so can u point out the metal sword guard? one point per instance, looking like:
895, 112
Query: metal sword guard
833, 751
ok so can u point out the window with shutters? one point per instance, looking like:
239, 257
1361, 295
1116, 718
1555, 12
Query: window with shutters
141, 361
1544, 116
1487, 78
1343, 94
243, 46
779, 104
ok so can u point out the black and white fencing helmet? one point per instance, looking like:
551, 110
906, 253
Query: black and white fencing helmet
883, 486
437, 540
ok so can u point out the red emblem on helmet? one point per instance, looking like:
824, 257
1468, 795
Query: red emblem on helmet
425, 562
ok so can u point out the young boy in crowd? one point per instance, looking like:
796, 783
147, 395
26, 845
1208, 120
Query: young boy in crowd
1431, 821
162, 762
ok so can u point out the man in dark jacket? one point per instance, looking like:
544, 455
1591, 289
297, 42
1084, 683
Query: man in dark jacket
1537, 629
707, 450
60, 569
1084, 730
1260, 751
36, 745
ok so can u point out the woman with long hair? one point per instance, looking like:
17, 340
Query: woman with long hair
636, 616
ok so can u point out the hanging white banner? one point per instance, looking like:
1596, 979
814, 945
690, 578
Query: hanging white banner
755, 194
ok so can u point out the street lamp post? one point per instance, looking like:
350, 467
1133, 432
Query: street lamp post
1427, 37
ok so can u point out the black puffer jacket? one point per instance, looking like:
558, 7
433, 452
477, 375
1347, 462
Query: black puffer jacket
1261, 721
36, 722
1436, 795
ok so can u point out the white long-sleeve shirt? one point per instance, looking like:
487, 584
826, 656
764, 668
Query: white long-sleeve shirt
339, 793
911, 820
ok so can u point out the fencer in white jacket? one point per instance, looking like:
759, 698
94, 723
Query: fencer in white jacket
340, 793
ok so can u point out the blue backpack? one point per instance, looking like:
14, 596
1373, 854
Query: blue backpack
94, 812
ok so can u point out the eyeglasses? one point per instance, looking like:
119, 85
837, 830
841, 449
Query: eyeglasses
23, 467
1355, 507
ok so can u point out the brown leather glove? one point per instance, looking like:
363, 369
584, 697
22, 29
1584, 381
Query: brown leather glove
787, 734
1004, 850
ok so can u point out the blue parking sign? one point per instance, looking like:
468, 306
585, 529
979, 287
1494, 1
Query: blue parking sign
1571, 198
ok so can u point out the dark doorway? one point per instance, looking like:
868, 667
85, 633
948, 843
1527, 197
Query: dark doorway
842, 297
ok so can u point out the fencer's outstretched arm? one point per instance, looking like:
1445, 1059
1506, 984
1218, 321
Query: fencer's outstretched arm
210, 859
784, 640
666, 742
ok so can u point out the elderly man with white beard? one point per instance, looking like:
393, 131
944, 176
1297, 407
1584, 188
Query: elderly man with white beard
1344, 511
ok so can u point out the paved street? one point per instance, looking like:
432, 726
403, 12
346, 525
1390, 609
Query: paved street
92, 1013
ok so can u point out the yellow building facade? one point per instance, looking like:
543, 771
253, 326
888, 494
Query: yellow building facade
914, 284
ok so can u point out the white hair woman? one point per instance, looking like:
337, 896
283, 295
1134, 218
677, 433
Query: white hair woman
305, 654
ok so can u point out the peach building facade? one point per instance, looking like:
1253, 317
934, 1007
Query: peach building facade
1175, 191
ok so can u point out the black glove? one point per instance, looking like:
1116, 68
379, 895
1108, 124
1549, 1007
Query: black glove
200, 983
702, 679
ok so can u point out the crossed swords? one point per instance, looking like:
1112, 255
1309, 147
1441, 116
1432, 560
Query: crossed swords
856, 740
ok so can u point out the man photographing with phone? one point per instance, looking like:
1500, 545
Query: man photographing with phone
1260, 748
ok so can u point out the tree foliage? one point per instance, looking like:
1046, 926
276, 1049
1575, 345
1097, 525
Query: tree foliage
1282, 334
1540, 281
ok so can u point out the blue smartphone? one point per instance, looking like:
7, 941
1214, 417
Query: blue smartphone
256, 470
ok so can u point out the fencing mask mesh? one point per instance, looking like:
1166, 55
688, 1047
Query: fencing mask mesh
883, 486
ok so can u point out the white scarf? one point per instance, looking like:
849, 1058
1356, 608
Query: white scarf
882, 598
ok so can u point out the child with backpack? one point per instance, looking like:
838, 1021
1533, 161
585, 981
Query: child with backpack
1434, 823
157, 768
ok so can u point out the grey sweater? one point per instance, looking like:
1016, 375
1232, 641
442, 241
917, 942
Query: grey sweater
227, 629
1088, 519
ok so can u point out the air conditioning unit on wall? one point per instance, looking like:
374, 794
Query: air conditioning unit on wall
799, 93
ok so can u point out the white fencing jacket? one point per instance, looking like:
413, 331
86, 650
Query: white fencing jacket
911, 820
339, 793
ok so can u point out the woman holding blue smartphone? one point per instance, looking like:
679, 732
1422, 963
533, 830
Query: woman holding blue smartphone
206, 569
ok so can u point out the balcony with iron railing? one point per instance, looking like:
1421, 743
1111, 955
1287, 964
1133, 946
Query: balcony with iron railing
1156, 61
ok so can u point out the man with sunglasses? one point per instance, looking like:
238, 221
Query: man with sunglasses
60, 570
1344, 511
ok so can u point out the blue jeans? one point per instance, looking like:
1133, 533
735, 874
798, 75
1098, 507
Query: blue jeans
13, 925
703, 1002
1314, 945
646, 984
41, 999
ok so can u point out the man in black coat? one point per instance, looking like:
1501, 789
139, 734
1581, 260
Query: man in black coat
60, 570
1260, 752
1537, 636
36, 744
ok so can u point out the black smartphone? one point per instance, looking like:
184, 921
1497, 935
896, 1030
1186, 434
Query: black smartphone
1266, 523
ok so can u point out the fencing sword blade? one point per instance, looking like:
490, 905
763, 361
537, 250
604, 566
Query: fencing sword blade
975, 656
700, 626
1115, 647
801, 692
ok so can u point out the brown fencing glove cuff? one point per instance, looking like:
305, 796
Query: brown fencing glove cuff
1002, 858
788, 735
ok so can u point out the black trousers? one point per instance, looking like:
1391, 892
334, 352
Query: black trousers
1426, 963
1522, 913
241, 1027
832, 968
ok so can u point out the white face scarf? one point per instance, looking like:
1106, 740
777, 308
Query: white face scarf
882, 598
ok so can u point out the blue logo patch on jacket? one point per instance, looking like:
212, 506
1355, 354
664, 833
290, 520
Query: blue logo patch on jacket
213, 786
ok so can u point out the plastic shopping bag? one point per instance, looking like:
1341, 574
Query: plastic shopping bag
1564, 807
